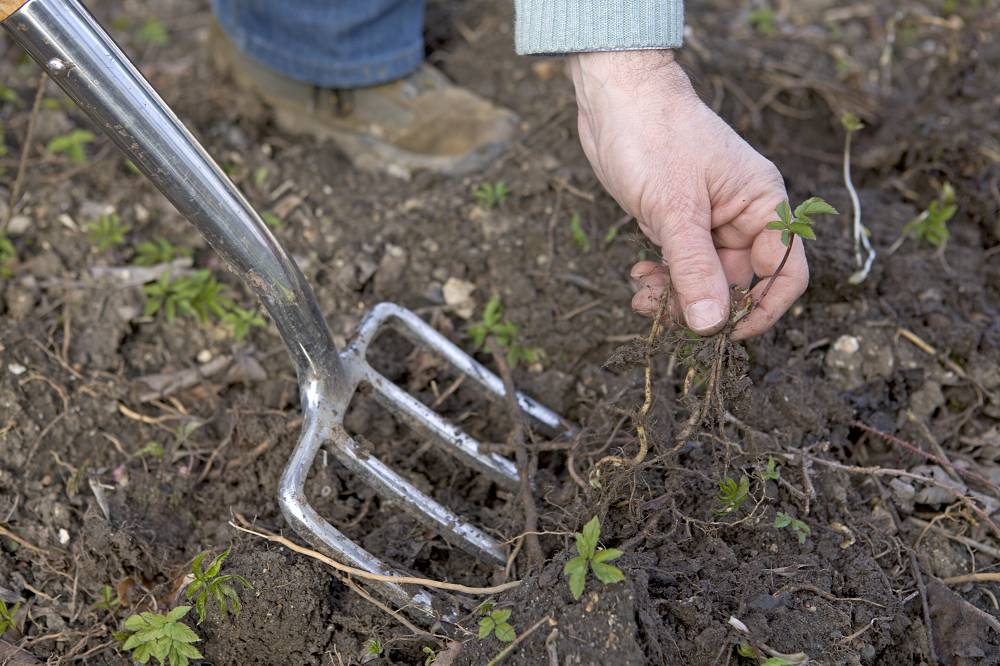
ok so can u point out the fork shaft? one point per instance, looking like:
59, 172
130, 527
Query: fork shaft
62, 37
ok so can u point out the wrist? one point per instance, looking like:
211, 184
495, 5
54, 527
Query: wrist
640, 75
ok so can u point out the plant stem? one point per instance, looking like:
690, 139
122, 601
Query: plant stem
15, 191
774, 275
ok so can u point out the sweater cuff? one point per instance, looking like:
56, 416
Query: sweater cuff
570, 26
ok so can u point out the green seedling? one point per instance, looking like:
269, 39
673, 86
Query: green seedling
9, 95
198, 296
161, 636
491, 195
153, 32
800, 529
158, 251
590, 557
496, 623
430, 656
732, 494
106, 231
373, 648
762, 20
260, 176
792, 224
109, 599
72, 145
211, 583
505, 333
272, 220
771, 472
7, 616
578, 234
750, 652
8, 256
931, 226
240, 321
153, 449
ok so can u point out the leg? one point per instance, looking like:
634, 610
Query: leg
328, 43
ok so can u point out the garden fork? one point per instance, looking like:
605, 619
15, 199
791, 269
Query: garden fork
77, 54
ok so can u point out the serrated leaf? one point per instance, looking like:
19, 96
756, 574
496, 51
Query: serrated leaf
199, 605
786, 237
180, 632
782, 520
194, 587
607, 573
591, 534
188, 650
607, 554
784, 212
505, 632
501, 615
576, 565
776, 224
141, 653
802, 229
486, 626
134, 641
814, 206
196, 565
177, 613
160, 647
135, 623
577, 580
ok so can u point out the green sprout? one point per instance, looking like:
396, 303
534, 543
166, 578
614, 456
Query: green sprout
491, 195
209, 583
505, 333
109, 599
198, 296
106, 231
762, 20
578, 234
272, 220
373, 647
792, 224
153, 32
7, 616
153, 449
8, 256
931, 226
158, 251
496, 623
771, 472
430, 656
72, 145
240, 321
260, 176
9, 95
589, 556
750, 652
162, 636
801, 529
732, 494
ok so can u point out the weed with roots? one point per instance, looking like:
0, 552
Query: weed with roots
591, 558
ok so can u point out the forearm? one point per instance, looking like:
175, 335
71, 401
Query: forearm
573, 26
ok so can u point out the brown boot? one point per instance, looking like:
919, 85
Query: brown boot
420, 122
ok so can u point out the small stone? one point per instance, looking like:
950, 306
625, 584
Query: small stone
844, 362
17, 369
63, 536
925, 400
20, 301
18, 225
458, 296
204, 356
390, 270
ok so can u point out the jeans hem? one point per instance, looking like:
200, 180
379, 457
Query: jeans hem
354, 74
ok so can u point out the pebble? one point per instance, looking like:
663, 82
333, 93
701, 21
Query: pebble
204, 356
17, 369
63, 536
458, 295
18, 225
20, 300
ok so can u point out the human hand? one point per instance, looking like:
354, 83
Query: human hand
698, 190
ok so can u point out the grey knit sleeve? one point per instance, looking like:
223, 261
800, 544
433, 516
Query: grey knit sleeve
568, 26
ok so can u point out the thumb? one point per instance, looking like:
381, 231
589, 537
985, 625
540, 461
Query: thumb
696, 274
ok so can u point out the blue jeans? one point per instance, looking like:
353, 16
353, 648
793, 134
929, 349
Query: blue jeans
329, 43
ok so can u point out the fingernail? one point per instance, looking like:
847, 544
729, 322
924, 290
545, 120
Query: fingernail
704, 315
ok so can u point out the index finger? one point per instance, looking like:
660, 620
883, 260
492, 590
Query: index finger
791, 281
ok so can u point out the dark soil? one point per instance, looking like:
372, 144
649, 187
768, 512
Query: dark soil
913, 352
